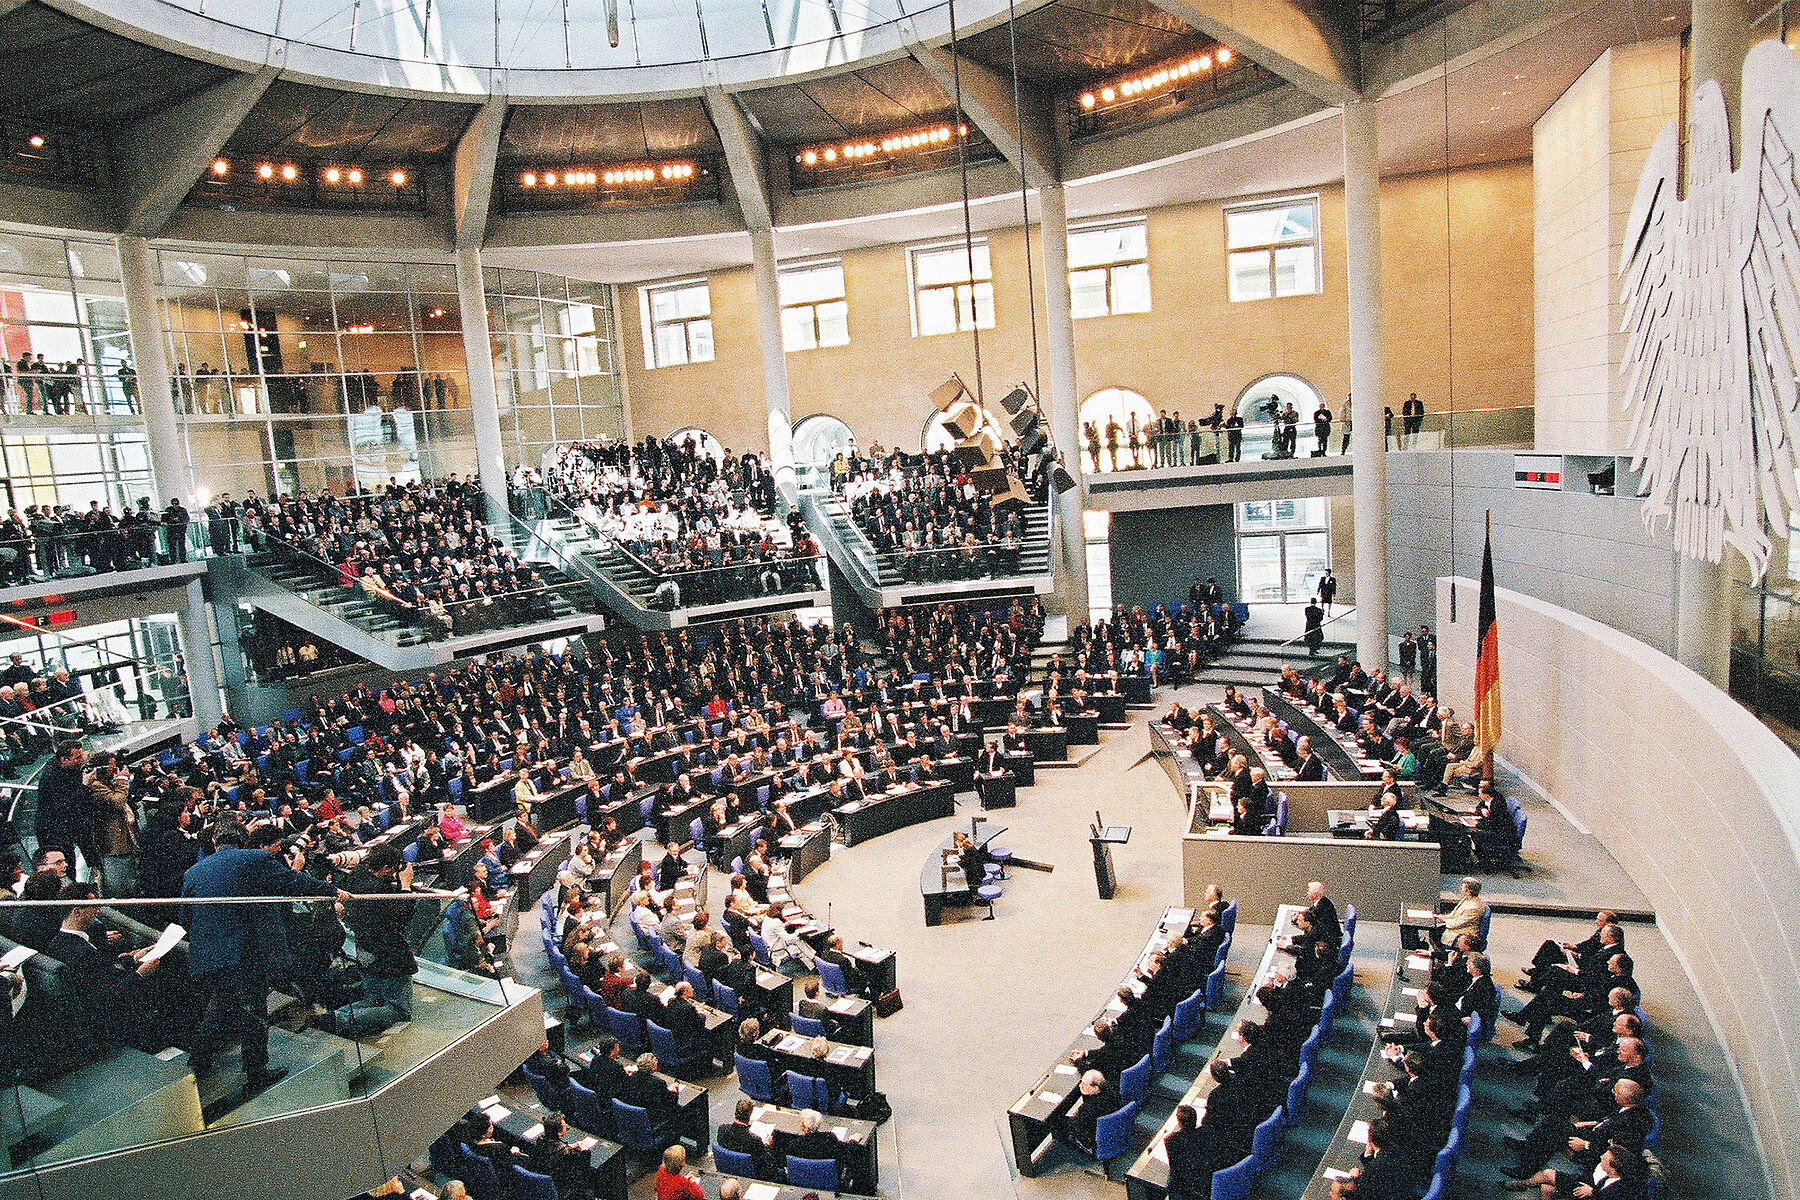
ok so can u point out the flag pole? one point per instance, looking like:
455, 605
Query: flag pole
1487, 755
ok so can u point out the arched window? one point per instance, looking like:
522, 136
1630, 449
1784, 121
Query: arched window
709, 444
935, 437
1103, 409
820, 438
1281, 390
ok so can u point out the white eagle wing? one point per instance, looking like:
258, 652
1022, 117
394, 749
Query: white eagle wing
1771, 283
1683, 272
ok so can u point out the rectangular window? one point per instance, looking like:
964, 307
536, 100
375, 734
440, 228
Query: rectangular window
813, 311
947, 296
678, 321
1273, 249
1109, 269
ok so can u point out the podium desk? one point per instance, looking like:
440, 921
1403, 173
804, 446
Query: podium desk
1022, 765
1084, 728
1106, 879
997, 791
1110, 705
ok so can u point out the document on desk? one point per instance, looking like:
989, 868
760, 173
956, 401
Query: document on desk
1336, 1173
793, 1043
1371, 1087
1064, 1069
1359, 1132
1413, 993
1421, 914
170, 936
15, 956
587, 1143
761, 1191
1051, 1097
534, 1133
840, 1056
842, 1004
1418, 962
761, 1130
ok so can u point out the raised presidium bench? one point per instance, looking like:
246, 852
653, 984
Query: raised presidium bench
1343, 757
522, 1127
1411, 975
1148, 1178
1354, 822
884, 812
1032, 1116
941, 882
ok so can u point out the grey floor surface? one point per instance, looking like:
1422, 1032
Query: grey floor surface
989, 1004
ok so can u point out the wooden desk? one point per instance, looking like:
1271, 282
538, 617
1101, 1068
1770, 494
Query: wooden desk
1031, 1116
1148, 1178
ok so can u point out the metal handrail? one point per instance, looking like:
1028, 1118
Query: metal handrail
1328, 621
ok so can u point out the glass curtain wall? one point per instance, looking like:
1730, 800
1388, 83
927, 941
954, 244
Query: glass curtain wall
72, 432
304, 374
556, 362
1283, 548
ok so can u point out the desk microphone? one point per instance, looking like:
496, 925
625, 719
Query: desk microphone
828, 914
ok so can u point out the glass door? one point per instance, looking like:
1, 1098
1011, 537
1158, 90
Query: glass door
1260, 577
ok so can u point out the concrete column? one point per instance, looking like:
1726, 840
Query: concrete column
1720, 39
484, 395
197, 652
150, 358
1368, 441
1070, 551
774, 362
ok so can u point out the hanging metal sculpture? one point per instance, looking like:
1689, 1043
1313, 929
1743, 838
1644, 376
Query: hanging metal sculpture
1710, 285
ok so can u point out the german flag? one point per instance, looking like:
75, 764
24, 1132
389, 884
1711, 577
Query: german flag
1487, 656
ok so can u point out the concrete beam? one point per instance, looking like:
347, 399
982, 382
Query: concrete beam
1280, 35
987, 100
472, 174
163, 154
744, 159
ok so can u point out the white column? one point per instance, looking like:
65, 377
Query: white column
195, 627
150, 359
1368, 442
774, 362
1704, 605
1070, 551
484, 395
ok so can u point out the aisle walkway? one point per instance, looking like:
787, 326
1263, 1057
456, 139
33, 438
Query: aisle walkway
989, 1004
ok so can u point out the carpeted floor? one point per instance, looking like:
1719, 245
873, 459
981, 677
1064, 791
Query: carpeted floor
989, 1004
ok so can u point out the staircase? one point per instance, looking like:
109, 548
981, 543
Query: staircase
1254, 661
880, 583
303, 593
629, 588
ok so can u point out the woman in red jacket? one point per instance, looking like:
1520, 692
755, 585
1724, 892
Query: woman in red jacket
671, 1183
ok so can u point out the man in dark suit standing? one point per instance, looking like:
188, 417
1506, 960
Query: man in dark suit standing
228, 946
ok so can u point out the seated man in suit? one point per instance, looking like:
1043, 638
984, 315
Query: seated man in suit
1619, 1175
1585, 1141
854, 978
645, 1089
1386, 827
1312, 767
604, 1075
104, 980
564, 1162
1096, 1097
484, 1144
736, 1135
682, 1019
1194, 1153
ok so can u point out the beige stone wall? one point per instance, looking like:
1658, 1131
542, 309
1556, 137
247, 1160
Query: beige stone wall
1589, 150
1193, 349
